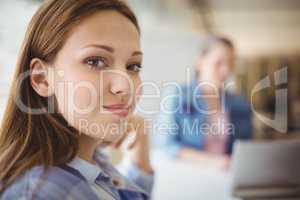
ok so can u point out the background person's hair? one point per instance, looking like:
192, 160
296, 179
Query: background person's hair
28, 139
210, 41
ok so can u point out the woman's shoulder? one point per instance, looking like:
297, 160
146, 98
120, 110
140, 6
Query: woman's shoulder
47, 183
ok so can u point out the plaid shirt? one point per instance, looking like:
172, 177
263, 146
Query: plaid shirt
74, 183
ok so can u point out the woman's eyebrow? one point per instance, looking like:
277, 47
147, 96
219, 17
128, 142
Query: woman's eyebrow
137, 53
110, 49
105, 47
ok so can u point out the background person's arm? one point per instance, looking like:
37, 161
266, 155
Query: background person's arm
211, 100
168, 136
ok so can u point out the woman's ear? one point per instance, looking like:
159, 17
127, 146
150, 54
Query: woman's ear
40, 78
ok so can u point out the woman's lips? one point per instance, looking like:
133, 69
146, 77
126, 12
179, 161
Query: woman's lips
117, 109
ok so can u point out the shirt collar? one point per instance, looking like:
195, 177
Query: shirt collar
114, 174
92, 172
88, 170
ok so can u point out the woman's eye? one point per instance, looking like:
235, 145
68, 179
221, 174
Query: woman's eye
96, 63
134, 67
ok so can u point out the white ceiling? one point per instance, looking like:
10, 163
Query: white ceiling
258, 27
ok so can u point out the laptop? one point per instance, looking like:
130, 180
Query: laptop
266, 169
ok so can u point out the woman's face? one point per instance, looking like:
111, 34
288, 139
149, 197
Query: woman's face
97, 81
218, 63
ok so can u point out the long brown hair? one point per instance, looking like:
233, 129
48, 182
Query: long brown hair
28, 139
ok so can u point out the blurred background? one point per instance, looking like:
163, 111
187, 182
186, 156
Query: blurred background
265, 32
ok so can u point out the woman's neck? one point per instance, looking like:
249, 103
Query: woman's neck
87, 147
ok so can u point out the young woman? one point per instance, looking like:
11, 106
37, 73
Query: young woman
76, 86
206, 118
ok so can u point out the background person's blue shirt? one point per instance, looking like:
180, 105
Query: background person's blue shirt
183, 114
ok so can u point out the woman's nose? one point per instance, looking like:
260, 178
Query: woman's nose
120, 84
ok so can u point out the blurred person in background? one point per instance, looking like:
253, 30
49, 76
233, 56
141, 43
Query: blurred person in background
202, 119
